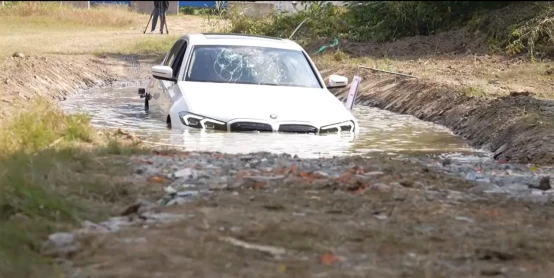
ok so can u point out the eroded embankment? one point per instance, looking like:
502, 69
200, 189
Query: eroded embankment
517, 128
24, 78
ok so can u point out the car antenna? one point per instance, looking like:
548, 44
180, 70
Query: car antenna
298, 27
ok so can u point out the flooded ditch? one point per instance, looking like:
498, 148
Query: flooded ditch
381, 133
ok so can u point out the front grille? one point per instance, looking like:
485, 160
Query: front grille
297, 128
249, 126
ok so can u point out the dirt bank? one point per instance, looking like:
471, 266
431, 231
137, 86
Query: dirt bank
517, 128
24, 77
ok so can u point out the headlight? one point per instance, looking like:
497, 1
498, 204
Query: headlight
202, 122
343, 126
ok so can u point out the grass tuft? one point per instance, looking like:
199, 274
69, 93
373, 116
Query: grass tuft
54, 173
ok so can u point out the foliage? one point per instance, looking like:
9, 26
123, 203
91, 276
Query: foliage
282, 24
387, 20
383, 21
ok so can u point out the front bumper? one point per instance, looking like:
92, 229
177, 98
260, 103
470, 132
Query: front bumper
254, 125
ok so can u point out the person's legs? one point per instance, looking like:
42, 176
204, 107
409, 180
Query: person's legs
163, 18
154, 19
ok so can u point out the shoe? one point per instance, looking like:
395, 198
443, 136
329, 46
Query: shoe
152, 32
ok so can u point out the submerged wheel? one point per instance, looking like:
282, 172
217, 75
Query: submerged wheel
168, 121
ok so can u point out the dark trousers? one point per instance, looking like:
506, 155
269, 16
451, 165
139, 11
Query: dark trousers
155, 18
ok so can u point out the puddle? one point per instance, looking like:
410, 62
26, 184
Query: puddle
381, 131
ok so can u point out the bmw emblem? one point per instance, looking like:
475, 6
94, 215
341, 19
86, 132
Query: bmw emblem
273, 116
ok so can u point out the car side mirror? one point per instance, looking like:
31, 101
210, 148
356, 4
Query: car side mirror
337, 81
163, 73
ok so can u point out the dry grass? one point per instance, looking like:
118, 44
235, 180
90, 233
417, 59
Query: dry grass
489, 75
28, 28
151, 46
53, 13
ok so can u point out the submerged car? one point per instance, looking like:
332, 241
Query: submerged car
235, 82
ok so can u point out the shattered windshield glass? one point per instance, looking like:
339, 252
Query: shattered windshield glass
250, 65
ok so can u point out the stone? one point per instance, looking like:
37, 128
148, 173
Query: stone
61, 245
186, 173
252, 181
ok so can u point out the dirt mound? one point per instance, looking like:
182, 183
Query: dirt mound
458, 41
517, 128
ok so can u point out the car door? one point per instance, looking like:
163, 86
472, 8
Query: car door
168, 88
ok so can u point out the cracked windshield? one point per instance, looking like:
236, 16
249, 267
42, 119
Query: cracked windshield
251, 65
241, 156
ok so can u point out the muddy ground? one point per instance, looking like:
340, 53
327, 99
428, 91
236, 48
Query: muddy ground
263, 215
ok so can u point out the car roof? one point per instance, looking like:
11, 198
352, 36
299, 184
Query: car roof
240, 39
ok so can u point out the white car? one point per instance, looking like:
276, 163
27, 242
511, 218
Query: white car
235, 82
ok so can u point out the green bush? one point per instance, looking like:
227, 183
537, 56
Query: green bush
510, 25
367, 20
387, 20
283, 24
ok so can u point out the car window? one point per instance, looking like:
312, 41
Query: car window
176, 64
251, 65
173, 53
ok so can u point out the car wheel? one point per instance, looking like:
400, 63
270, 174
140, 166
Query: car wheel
168, 122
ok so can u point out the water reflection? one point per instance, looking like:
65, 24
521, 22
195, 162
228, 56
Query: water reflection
381, 131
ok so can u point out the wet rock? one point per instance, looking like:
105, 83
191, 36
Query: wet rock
186, 173
177, 201
447, 161
407, 183
93, 227
263, 181
544, 184
138, 207
61, 245
500, 150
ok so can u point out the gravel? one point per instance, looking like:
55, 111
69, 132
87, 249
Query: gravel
200, 174
526, 182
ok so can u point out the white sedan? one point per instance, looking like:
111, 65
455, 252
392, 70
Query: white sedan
233, 82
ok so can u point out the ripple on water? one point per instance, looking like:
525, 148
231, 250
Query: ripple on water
380, 131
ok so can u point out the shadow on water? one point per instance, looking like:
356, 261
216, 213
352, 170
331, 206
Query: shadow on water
381, 132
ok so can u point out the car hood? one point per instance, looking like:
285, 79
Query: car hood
225, 102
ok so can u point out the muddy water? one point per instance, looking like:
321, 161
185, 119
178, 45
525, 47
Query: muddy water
381, 132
